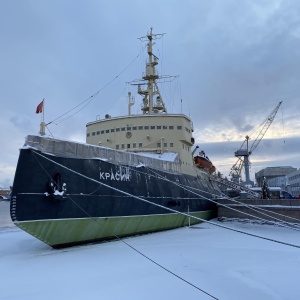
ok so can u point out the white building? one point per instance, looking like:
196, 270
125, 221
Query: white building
280, 181
293, 183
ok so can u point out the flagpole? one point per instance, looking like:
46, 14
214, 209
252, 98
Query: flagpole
43, 110
42, 127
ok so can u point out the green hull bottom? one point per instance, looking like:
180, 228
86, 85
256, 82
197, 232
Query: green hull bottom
68, 232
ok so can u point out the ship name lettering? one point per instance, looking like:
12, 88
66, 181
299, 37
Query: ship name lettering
114, 176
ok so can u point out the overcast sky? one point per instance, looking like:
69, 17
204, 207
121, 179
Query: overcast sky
235, 60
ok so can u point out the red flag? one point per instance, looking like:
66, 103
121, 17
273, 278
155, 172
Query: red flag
40, 107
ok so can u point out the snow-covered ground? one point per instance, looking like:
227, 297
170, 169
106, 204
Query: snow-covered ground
225, 264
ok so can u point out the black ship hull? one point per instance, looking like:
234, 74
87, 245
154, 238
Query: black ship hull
65, 200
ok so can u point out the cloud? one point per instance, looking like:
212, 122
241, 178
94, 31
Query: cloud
236, 61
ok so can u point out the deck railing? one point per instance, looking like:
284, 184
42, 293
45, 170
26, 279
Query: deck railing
81, 150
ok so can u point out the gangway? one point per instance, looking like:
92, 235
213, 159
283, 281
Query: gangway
237, 187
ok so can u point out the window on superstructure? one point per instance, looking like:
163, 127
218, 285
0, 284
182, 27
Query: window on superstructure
183, 146
158, 127
140, 127
171, 145
152, 127
117, 129
87, 134
146, 127
117, 147
171, 127
93, 133
112, 130
123, 146
128, 128
102, 131
98, 132
134, 145
134, 128
140, 145
165, 127
158, 145
179, 127
107, 131
165, 144
123, 129
128, 146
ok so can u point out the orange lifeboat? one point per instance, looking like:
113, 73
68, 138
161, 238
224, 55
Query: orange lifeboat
203, 162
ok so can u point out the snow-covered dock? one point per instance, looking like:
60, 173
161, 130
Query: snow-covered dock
225, 264
281, 210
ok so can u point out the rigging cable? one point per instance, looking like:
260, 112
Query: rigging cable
49, 131
89, 99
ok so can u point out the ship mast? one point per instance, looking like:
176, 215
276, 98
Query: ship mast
151, 106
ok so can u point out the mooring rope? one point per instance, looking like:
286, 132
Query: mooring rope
281, 223
167, 208
123, 241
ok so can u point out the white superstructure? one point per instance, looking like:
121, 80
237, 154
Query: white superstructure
152, 131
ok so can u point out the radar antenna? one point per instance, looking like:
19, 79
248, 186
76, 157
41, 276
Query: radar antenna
149, 106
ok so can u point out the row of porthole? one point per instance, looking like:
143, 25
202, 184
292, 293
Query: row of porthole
158, 127
140, 145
